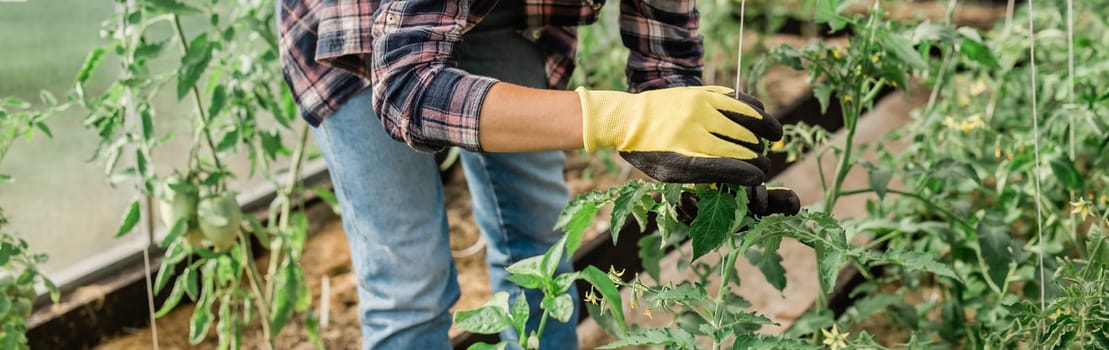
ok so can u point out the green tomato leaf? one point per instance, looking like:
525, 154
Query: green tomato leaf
129, 219
624, 206
900, 48
490, 318
11, 340
872, 305
486, 346
6, 178
607, 320
527, 267
672, 338
827, 11
285, 297
147, 124
811, 322
740, 214
551, 258
575, 228
192, 282
564, 282
879, 181
788, 56
193, 64
599, 280
526, 281
651, 253
219, 100
5, 305
174, 295
55, 294
770, 263
171, 6
271, 144
175, 232
48, 98
714, 216
91, 62
164, 274
995, 244
521, 310
1066, 173
684, 293
560, 307
920, 261
761, 341
823, 94
201, 320
829, 260
978, 52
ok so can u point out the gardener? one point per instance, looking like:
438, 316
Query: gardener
488, 77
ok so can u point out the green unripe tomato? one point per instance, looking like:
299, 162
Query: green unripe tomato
7, 285
27, 292
176, 204
21, 307
219, 218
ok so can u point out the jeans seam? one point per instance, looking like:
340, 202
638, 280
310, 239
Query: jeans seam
347, 212
497, 205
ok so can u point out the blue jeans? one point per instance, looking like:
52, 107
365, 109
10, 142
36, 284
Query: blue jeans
392, 204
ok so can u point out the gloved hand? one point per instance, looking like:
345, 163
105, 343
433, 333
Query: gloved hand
683, 134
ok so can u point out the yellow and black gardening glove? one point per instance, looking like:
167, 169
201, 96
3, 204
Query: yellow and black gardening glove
683, 134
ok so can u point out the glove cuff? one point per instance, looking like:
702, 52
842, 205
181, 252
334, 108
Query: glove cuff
602, 123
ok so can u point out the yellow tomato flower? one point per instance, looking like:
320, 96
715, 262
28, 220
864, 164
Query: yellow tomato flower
778, 145
614, 276
876, 58
978, 88
1080, 207
647, 312
591, 297
974, 122
835, 53
834, 338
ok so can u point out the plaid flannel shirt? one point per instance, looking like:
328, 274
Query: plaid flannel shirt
406, 51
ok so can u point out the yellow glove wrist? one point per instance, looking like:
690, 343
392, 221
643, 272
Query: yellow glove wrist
687, 120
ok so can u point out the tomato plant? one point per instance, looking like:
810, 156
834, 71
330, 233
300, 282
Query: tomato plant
227, 70
963, 223
19, 265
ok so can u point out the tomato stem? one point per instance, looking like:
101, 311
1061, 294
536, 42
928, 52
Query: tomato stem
197, 103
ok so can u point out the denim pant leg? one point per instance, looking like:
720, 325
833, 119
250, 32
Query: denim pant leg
517, 198
391, 198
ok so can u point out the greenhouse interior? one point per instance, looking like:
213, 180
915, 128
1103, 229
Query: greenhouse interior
554, 174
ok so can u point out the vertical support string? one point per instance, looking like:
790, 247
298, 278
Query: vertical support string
739, 50
1036, 167
1009, 9
147, 222
1070, 101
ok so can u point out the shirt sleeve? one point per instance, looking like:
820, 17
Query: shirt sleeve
665, 48
421, 96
